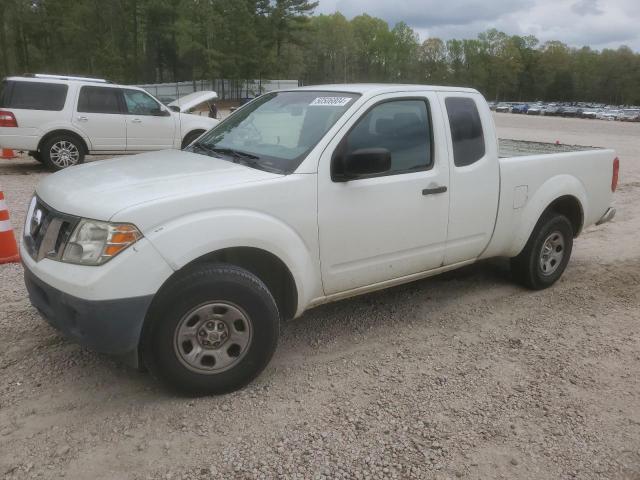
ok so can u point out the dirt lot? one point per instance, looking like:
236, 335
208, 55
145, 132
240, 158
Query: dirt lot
461, 376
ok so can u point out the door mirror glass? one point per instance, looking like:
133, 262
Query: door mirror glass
366, 162
400, 129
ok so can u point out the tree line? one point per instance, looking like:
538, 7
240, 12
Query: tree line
149, 41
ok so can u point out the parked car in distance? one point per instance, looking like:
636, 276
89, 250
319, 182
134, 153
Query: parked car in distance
630, 115
503, 108
189, 260
520, 108
535, 109
551, 109
608, 114
60, 119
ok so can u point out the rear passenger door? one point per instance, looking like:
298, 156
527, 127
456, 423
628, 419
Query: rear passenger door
475, 175
100, 116
379, 228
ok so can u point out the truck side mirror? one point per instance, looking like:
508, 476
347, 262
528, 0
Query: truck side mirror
364, 162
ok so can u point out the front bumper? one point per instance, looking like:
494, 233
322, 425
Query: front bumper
608, 216
106, 326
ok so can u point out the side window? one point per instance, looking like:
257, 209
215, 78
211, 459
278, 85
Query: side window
401, 126
34, 96
139, 103
99, 100
466, 131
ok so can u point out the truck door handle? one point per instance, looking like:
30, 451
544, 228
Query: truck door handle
435, 190
136, 120
83, 119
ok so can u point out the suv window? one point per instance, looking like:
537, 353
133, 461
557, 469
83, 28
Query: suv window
99, 100
401, 126
139, 103
33, 95
466, 131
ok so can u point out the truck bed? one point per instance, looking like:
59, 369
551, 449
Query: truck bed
520, 148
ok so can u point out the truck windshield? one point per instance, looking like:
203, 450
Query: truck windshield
276, 131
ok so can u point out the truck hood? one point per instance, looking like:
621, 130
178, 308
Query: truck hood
102, 188
193, 99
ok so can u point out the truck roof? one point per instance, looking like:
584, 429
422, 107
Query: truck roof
378, 88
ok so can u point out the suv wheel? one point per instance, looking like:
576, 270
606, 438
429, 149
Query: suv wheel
62, 151
212, 330
546, 253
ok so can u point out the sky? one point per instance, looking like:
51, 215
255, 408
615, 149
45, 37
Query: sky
596, 23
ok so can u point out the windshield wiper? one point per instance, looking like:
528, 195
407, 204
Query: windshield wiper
237, 156
235, 153
206, 148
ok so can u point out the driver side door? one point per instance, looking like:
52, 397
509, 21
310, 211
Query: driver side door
150, 126
391, 225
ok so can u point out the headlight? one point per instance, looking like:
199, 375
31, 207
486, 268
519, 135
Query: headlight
94, 243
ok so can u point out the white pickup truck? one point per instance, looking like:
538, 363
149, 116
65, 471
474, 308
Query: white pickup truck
188, 260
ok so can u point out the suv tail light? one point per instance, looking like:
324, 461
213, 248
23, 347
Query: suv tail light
614, 176
7, 119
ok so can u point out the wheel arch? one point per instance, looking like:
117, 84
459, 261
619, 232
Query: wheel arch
563, 194
199, 131
270, 269
570, 207
63, 131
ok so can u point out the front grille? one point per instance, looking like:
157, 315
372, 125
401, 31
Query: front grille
47, 231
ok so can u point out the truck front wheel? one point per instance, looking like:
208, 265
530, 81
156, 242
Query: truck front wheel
546, 254
212, 330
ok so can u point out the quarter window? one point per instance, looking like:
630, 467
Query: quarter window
401, 126
34, 96
466, 131
99, 100
139, 103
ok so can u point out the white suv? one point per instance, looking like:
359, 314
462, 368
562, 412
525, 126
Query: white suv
59, 120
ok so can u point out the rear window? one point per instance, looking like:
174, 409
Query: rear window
99, 100
466, 131
33, 95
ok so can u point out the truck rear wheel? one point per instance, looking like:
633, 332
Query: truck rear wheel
546, 254
212, 330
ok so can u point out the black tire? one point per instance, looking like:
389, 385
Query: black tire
202, 285
190, 137
70, 143
527, 267
36, 155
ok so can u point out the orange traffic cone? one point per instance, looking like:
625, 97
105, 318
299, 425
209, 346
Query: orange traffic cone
8, 246
7, 154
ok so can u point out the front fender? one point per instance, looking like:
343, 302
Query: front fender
202, 233
189, 123
551, 190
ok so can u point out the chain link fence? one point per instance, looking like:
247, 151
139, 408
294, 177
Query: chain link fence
226, 89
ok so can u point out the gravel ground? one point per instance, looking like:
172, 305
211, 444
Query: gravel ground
460, 376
